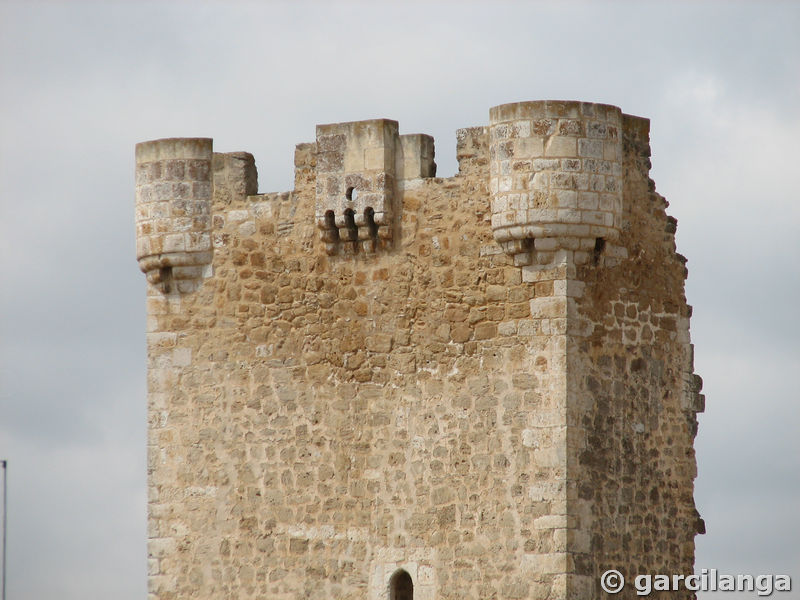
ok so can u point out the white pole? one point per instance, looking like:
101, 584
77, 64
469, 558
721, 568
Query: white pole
4, 464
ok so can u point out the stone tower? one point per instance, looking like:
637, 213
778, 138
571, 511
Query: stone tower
385, 384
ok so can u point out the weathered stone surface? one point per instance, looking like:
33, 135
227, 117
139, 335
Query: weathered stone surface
496, 420
546, 203
173, 206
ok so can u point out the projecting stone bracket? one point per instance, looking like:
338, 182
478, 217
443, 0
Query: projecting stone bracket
351, 232
177, 271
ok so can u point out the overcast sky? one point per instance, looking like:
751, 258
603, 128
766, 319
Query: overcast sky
80, 84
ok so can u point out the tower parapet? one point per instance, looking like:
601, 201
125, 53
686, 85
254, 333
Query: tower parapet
173, 209
555, 177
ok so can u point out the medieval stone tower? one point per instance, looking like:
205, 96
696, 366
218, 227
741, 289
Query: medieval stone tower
385, 384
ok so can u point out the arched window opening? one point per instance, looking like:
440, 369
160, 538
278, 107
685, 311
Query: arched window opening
401, 587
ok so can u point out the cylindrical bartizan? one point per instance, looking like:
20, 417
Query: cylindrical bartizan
555, 175
173, 208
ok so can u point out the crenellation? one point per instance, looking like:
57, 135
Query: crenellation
481, 384
415, 157
472, 149
234, 177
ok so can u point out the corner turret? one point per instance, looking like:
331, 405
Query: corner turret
173, 210
555, 178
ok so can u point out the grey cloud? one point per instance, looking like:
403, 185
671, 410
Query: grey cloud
82, 83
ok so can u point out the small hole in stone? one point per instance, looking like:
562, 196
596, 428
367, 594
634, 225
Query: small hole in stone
351, 228
351, 194
165, 276
349, 218
599, 246
330, 225
369, 217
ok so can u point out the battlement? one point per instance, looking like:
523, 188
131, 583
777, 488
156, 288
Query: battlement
386, 384
554, 171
